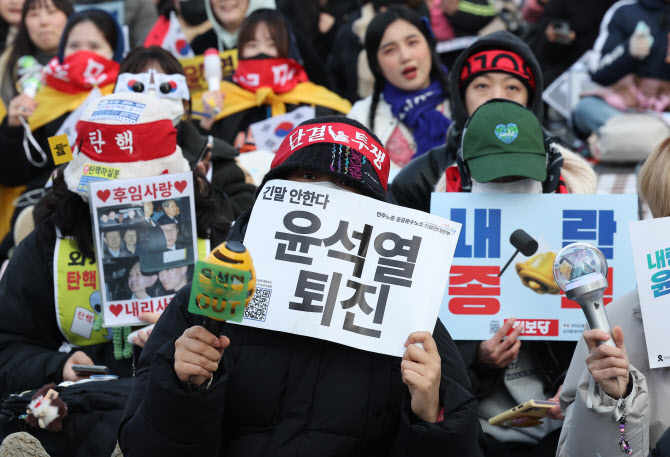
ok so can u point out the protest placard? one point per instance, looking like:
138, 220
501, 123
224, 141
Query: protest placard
651, 256
346, 268
194, 69
145, 238
480, 296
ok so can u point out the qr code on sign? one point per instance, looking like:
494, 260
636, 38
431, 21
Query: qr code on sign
258, 307
494, 326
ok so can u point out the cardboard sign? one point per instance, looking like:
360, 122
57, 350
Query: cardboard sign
480, 297
342, 267
194, 69
219, 292
145, 239
651, 255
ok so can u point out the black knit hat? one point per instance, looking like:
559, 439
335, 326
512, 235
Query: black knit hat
338, 146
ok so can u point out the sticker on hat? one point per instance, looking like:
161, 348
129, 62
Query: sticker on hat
507, 133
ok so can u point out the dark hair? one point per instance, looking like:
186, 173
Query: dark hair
141, 58
23, 46
66, 210
373, 38
104, 22
276, 26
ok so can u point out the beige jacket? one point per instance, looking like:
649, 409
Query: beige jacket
587, 432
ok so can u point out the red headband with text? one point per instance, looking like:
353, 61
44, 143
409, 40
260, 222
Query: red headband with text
497, 60
337, 133
126, 142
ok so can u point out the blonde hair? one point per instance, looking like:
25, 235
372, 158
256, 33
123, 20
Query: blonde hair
654, 180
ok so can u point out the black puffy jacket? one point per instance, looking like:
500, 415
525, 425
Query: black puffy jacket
278, 394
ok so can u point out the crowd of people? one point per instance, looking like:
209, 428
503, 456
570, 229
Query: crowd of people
424, 80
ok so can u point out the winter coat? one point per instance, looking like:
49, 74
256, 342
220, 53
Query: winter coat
587, 431
278, 394
415, 182
30, 338
387, 125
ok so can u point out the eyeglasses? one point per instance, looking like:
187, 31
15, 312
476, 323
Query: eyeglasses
167, 230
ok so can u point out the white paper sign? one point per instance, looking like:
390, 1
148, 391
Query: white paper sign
269, 134
481, 296
146, 243
651, 255
338, 266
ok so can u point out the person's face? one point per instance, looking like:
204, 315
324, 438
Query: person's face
85, 36
230, 13
113, 240
130, 238
319, 176
10, 10
494, 85
104, 218
171, 208
404, 56
261, 44
174, 278
137, 282
112, 215
148, 209
45, 26
170, 231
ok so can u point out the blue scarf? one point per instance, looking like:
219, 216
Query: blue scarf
417, 111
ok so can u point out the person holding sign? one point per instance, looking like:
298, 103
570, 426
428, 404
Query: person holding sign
498, 65
50, 292
275, 393
502, 151
268, 82
594, 396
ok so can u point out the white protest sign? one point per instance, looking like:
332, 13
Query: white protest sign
146, 243
651, 255
480, 296
341, 267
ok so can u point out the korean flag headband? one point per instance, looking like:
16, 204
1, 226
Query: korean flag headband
168, 86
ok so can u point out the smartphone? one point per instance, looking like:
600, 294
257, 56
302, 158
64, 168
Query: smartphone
207, 146
532, 410
89, 370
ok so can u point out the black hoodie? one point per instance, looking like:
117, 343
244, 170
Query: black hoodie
412, 187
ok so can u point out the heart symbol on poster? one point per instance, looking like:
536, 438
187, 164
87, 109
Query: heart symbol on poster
116, 309
507, 133
104, 194
180, 186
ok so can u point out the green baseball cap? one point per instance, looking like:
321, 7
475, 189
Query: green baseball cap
503, 138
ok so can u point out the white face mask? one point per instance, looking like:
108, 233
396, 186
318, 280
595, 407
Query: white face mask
328, 184
522, 186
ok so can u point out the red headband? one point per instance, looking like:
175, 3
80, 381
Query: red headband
497, 60
336, 133
126, 143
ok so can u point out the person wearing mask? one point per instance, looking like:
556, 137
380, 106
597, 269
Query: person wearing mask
409, 108
39, 30
229, 180
258, 91
87, 59
618, 379
406, 418
498, 65
504, 371
37, 351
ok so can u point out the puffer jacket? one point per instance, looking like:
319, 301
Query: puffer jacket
278, 394
591, 430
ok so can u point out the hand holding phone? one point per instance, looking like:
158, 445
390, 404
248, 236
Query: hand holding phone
527, 414
89, 370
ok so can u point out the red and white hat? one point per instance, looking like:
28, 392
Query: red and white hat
126, 135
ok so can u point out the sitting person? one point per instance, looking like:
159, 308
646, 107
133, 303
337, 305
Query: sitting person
171, 232
139, 283
496, 366
623, 379
171, 213
409, 108
498, 65
316, 397
37, 342
111, 239
266, 83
